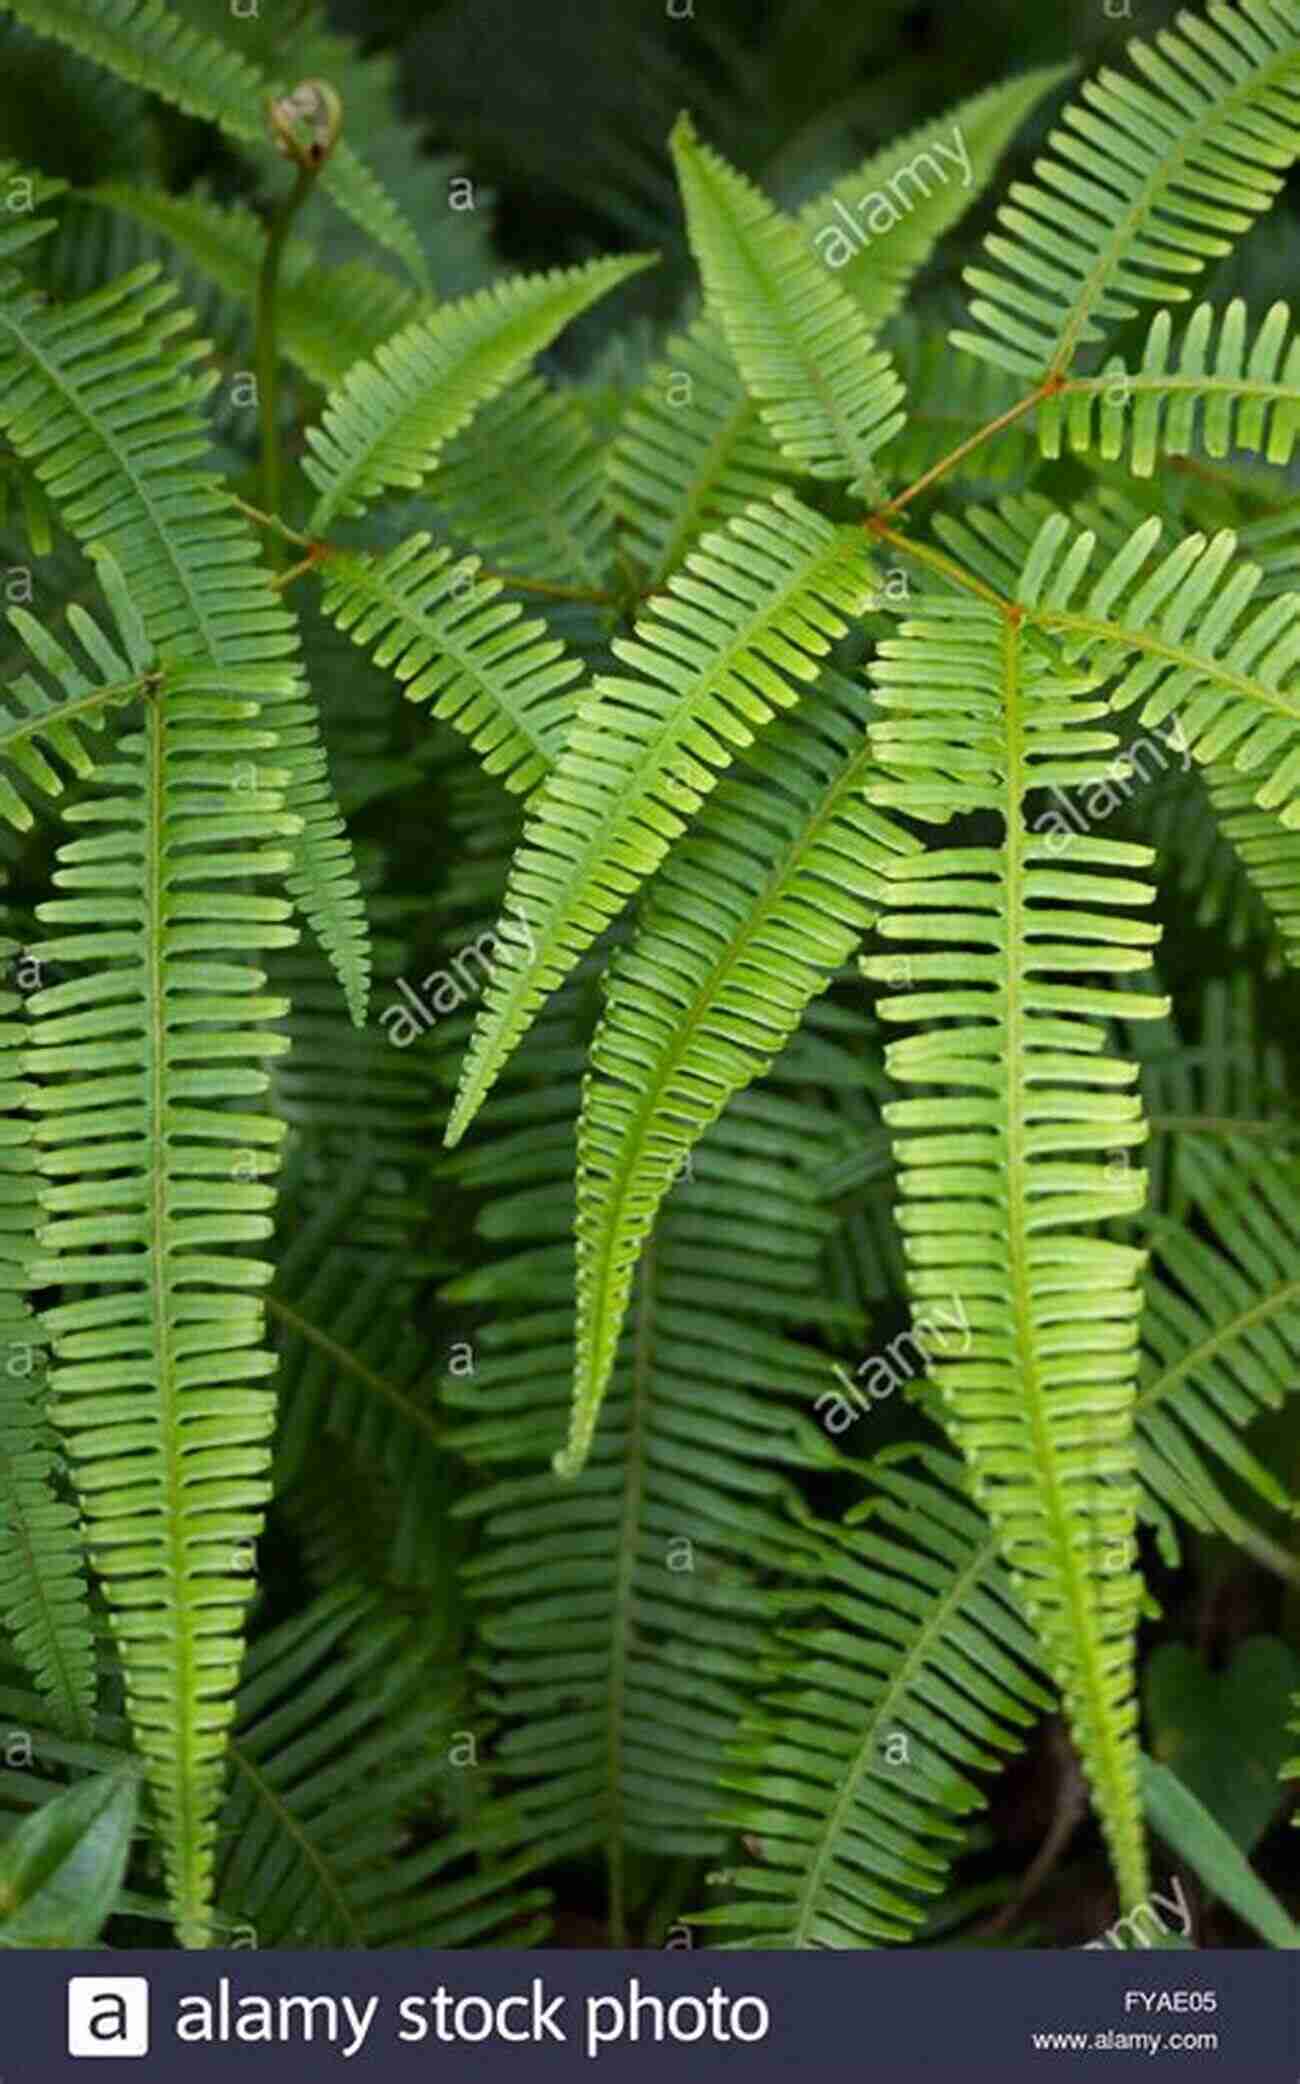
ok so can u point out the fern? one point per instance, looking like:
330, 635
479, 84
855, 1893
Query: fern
757, 604
385, 425
829, 397
1003, 1170
912, 1673
145, 42
1151, 177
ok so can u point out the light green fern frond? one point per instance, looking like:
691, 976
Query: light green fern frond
43, 1603
728, 643
748, 919
1152, 177
1218, 382
386, 423
829, 395
877, 226
1004, 1164
450, 638
144, 42
905, 1680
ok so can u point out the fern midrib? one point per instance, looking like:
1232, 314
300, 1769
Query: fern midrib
183, 1671
1123, 233
930, 1636
293, 1830
19, 1527
629, 1537
804, 843
1064, 620
350, 1363
692, 510
1243, 387
1069, 1577
23, 730
1223, 1336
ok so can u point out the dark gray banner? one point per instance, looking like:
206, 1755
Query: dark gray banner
632, 2016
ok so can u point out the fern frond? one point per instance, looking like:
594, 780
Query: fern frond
829, 395
907, 1674
43, 1602
1220, 1337
144, 42
331, 1755
384, 426
327, 318
113, 436
35, 723
877, 226
691, 452
748, 919
1152, 177
618, 1653
450, 638
1180, 635
728, 643
1003, 1168
1219, 384
523, 484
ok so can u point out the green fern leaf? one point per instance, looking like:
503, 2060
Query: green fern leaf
1152, 177
748, 919
144, 42
829, 396
913, 1639
450, 638
1004, 1168
877, 226
387, 422
326, 318
728, 643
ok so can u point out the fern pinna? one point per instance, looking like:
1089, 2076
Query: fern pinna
844, 703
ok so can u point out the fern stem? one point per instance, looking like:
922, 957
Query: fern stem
597, 595
958, 455
267, 355
935, 561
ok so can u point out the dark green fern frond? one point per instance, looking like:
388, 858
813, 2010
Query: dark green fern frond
623, 1616
1004, 1170
1217, 386
387, 422
327, 318
829, 395
748, 919
1151, 178
145, 42
333, 1752
692, 451
728, 643
451, 638
908, 1677
1221, 1339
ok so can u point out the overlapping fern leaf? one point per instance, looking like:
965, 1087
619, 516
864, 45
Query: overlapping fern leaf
147, 43
451, 638
829, 395
43, 1601
748, 920
386, 423
1219, 386
1004, 1160
622, 1617
336, 1751
727, 644
901, 1683
1153, 173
